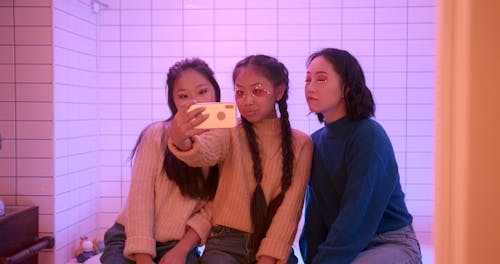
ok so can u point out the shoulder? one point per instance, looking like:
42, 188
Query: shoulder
370, 135
370, 128
157, 132
300, 138
316, 134
155, 128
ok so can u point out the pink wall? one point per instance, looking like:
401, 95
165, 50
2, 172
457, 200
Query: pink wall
78, 86
26, 109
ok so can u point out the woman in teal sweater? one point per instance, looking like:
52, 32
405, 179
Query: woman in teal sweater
355, 208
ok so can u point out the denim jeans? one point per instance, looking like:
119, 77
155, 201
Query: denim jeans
398, 246
226, 245
114, 241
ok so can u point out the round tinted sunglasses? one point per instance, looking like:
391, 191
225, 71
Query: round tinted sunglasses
257, 90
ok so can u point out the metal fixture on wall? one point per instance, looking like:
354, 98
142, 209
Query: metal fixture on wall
97, 5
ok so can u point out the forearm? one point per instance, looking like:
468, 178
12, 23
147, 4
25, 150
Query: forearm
188, 241
143, 258
266, 260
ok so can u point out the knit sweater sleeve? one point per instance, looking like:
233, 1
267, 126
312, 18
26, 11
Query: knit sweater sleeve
207, 150
281, 233
366, 195
141, 199
201, 223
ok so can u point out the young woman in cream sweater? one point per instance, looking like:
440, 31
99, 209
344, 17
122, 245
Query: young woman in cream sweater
264, 167
159, 221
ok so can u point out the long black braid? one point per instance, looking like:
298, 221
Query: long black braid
261, 213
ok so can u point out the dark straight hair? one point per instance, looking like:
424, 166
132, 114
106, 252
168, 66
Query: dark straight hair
189, 179
358, 98
261, 213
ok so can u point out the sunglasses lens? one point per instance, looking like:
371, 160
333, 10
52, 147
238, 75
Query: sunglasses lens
260, 92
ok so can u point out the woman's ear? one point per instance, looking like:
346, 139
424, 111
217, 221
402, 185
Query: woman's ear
280, 91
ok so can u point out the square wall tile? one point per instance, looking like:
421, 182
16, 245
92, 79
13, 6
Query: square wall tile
7, 166
8, 186
358, 15
293, 32
262, 4
6, 54
46, 223
135, 33
201, 49
35, 148
111, 33
391, 15
135, 17
40, 167
198, 33
293, 16
33, 92
6, 15
46, 3
198, 17
7, 111
7, 33
33, 111
167, 33
109, 17
167, 17
7, 92
34, 73
7, 73
230, 32
426, 14
39, 16
35, 186
229, 16
323, 16
35, 129
34, 35
133, 4
110, 189
261, 16
134, 49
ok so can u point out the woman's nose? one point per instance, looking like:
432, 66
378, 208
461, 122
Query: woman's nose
310, 88
247, 98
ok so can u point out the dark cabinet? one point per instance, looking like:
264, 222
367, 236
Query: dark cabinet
18, 235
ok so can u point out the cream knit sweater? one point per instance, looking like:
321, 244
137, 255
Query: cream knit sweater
155, 209
231, 205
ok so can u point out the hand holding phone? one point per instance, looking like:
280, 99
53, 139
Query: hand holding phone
220, 115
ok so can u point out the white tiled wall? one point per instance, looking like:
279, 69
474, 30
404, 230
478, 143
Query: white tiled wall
76, 88
394, 41
76, 129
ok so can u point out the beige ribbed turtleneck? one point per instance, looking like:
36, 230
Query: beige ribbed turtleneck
231, 205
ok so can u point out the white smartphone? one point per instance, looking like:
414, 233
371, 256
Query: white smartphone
220, 115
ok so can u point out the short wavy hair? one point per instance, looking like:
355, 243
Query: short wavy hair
358, 97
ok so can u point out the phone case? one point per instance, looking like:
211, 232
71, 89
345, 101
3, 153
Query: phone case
220, 115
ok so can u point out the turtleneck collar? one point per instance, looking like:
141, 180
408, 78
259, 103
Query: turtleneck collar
338, 127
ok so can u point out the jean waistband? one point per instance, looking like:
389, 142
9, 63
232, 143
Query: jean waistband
227, 229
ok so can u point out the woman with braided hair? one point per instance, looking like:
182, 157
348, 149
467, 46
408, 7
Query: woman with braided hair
264, 168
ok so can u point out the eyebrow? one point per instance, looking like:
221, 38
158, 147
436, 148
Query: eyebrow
318, 72
201, 85
197, 87
251, 85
